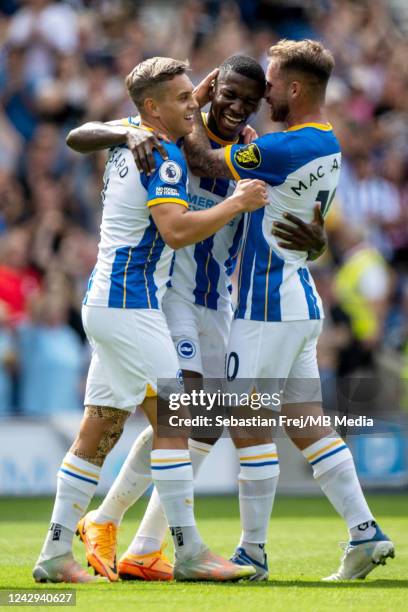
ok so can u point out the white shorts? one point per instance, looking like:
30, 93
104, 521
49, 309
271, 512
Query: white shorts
131, 349
272, 357
200, 335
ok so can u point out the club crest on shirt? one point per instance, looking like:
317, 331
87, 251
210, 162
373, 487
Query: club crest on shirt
186, 349
170, 172
248, 157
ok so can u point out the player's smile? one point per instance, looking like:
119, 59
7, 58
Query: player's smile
235, 97
176, 107
233, 122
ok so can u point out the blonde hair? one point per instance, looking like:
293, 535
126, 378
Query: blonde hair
148, 76
308, 56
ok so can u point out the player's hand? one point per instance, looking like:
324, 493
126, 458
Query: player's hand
252, 194
142, 143
300, 236
248, 134
201, 93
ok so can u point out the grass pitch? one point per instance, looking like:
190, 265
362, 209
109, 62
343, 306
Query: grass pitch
303, 547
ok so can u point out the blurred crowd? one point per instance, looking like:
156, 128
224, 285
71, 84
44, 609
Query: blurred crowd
64, 63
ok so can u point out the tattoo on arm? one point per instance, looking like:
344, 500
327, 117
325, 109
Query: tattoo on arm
202, 159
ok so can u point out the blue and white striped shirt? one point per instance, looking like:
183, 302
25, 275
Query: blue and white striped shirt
300, 166
133, 265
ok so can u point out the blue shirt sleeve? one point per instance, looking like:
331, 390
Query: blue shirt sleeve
267, 158
168, 183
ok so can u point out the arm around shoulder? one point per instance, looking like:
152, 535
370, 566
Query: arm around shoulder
96, 136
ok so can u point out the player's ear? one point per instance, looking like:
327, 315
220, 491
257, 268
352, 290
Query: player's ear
295, 89
150, 106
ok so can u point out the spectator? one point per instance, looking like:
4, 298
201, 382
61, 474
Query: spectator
362, 287
46, 29
7, 363
64, 63
19, 281
50, 359
368, 201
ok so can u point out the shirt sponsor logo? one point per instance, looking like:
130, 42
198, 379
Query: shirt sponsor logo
199, 202
186, 349
170, 172
248, 157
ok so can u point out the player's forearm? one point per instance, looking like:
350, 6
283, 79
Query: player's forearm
195, 226
95, 136
202, 159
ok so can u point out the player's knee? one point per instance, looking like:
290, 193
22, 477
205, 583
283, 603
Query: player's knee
210, 441
243, 438
100, 429
176, 443
305, 423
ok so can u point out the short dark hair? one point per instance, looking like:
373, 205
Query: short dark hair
147, 76
245, 65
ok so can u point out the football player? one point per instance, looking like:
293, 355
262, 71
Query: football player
279, 314
144, 219
197, 304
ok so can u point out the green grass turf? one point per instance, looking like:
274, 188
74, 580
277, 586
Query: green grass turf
303, 547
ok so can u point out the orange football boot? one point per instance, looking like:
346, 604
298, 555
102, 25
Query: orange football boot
100, 546
151, 566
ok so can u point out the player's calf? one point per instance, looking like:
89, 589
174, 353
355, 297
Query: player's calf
334, 469
258, 480
100, 429
78, 478
172, 474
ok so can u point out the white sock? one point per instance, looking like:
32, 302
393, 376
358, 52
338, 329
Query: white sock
198, 452
130, 484
364, 531
334, 470
173, 476
258, 479
58, 541
152, 530
76, 484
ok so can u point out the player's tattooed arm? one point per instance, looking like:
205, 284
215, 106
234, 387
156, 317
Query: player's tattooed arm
96, 136
300, 236
202, 159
